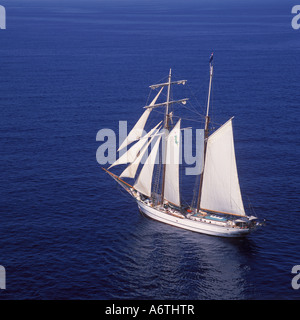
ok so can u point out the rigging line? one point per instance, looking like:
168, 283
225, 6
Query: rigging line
156, 110
251, 208
163, 79
195, 191
212, 112
184, 202
183, 118
194, 111
157, 89
195, 108
217, 124
147, 102
195, 94
195, 97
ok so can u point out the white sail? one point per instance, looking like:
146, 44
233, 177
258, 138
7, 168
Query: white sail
132, 153
130, 171
144, 181
138, 129
221, 189
171, 188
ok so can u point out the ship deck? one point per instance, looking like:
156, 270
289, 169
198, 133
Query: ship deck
211, 217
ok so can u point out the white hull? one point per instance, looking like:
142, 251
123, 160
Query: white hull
188, 224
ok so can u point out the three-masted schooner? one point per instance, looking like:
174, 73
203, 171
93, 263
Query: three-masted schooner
220, 209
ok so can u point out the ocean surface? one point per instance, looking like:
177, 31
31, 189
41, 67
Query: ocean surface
71, 68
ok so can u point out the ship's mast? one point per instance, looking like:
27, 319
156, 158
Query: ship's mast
206, 132
165, 140
167, 118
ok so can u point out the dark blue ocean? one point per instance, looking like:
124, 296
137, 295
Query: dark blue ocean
71, 68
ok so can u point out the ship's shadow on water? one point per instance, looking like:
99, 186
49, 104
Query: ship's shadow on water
163, 262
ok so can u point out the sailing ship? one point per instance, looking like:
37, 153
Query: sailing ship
219, 209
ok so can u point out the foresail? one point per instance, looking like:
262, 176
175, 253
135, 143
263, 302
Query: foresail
171, 188
130, 171
144, 181
132, 153
138, 129
221, 189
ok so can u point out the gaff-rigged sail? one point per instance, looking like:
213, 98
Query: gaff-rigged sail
221, 189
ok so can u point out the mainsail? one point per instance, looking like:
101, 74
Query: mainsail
171, 191
144, 182
221, 189
138, 129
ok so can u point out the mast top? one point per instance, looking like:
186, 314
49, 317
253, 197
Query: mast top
167, 84
164, 84
211, 59
155, 86
206, 130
